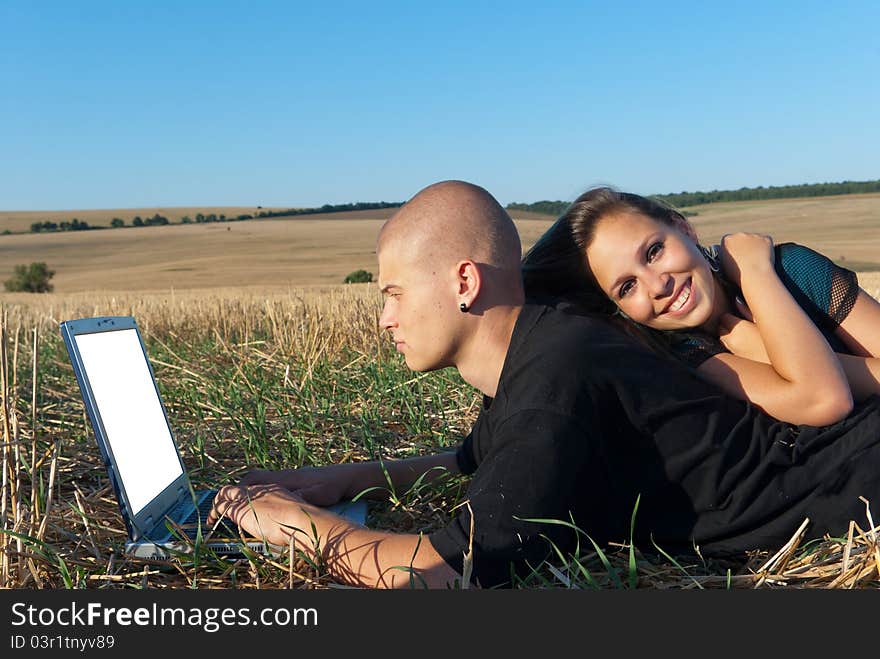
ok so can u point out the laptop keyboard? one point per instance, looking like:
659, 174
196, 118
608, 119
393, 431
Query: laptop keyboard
199, 515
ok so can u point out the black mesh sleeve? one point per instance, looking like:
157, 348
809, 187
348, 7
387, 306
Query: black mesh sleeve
825, 290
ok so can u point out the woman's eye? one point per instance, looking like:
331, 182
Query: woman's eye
625, 288
654, 251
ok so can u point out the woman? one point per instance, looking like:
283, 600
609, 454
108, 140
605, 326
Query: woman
780, 326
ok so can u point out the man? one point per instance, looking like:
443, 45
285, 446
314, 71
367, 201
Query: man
449, 270
578, 423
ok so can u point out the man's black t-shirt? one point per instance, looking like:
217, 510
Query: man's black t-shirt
586, 420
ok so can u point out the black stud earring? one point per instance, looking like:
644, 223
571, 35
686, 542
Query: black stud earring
464, 307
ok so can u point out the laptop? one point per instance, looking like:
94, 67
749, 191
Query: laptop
162, 512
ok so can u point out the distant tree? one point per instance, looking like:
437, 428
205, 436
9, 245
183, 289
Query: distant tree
358, 277
186, 219
137, 221
770, 192
117, 222
545, 207
7, 232
200, 217
37, 227
33, 278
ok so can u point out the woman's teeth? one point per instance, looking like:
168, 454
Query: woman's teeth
682, 298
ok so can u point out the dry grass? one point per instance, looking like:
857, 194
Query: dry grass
221, 327
60, 515
870, 281
60, 518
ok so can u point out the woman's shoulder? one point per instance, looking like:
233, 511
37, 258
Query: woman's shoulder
793, 257
826, 290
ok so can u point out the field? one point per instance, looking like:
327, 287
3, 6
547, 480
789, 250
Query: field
845, 228
308, 250
277, 252
265, 360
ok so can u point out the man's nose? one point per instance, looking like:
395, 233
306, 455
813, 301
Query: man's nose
386, 321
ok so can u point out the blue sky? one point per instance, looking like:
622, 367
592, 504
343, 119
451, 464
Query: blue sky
111, 104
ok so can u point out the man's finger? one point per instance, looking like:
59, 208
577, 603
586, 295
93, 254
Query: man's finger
220, 506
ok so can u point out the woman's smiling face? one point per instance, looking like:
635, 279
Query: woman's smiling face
654, 272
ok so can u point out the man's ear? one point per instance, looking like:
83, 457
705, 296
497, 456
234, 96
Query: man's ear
469, 281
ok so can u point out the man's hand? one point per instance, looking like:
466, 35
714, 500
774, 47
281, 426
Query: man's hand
352, 553
267, 512
321, 486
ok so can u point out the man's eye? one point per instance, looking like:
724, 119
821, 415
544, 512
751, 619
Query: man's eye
654, 251
625, 288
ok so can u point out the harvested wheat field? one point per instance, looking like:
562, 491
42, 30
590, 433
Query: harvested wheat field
276, 252
323, 249
265, 361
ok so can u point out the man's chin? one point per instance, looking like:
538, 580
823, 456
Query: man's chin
420, 367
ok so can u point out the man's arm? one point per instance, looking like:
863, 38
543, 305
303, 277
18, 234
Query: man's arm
353, 554
324, 486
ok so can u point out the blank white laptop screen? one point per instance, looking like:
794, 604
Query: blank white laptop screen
131, 412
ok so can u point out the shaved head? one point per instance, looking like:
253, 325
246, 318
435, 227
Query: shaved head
454, 220
449, 268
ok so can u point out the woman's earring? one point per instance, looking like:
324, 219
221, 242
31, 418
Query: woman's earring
711, 255
463, 307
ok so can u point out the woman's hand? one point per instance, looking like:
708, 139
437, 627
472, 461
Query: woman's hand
742, 338
799, 378
745, 254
